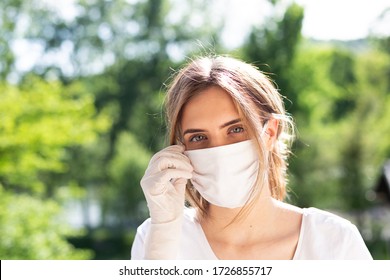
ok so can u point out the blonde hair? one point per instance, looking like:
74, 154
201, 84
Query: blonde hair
257, 101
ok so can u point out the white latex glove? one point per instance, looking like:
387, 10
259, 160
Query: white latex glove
164, 185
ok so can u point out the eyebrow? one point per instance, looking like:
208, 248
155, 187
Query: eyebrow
195, 130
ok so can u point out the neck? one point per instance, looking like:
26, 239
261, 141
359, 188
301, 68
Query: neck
257, 222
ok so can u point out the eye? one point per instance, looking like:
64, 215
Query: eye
197, 138
237, 129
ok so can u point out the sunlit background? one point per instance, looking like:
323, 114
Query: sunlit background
81, 91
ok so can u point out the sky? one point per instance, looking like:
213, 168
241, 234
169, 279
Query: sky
324, 19
342, 19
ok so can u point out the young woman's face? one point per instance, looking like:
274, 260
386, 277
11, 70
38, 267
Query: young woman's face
210, 119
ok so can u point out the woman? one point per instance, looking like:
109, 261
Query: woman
230, 138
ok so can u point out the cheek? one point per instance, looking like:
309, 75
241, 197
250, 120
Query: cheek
237, 137
242, 137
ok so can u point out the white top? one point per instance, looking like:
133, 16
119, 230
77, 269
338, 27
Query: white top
323, 236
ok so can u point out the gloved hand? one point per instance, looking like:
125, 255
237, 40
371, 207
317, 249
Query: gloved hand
164, 185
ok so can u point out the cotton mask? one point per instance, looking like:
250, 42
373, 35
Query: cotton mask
225, 175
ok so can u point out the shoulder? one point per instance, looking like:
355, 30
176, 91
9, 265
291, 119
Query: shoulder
324, 219
325, 235
325, 225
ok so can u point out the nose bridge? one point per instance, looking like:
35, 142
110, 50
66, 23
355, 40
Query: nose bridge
217, 140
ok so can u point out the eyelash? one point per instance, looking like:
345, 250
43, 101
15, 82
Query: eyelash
192, 139
240, 127
196, 136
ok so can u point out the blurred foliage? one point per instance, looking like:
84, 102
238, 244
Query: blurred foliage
39, 121
347, 118
81, 124
31, 230
272, 48
126, 169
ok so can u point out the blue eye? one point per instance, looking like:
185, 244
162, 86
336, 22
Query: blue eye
197, 138
237, 129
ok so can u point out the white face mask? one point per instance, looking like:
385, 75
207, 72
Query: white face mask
225, 175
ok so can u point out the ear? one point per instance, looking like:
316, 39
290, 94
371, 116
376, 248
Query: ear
271, 132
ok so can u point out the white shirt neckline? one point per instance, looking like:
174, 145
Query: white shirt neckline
297, 249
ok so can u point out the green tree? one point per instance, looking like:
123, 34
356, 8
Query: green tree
39, 122
126, 170
314, 175
343, 103
31, 229
272, 48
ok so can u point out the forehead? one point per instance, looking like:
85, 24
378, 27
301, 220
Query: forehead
212, 106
